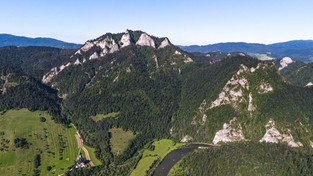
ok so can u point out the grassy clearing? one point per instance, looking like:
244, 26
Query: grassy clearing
93, 157
120, 140
143, 165
99, 117
161, 149
56, 144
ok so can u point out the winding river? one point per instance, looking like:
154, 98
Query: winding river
173, 157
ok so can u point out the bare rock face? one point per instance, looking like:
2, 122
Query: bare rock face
285, 62
251, 107
187, 59
265, 88
310, 84
156, 61
272, 135
186, 138
108, 45
6, 80
164, 43
77, 62
94, 56
145, 40
232, 92
230, 132
53, 72
125, 40
177, 53
87, 46
48, 76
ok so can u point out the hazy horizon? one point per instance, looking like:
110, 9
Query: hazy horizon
184, 22
163, 36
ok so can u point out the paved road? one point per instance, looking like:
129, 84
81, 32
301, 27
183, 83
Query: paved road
173, 157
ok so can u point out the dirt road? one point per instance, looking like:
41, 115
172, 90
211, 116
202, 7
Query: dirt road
79, 141
88, 156
80, 145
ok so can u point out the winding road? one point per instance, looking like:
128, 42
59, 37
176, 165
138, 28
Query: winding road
173, 157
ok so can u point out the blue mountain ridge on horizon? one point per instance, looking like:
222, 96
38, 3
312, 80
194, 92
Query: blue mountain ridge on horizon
301, 50
12, 40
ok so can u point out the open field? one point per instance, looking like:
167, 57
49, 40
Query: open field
55, 144
99, 117
92, 155
120, 140
161, 149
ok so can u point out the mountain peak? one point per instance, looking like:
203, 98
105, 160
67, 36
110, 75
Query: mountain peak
126, 39
145, 40
110, 43
284, 62
164, 43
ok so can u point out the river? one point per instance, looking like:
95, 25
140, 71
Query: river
173, 157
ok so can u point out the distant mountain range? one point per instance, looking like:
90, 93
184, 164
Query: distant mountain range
301, 50
12, 40
297, 49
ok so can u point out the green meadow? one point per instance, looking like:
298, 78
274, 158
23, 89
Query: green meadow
93, 157
55, 144
99, 117
120, 140
161, 149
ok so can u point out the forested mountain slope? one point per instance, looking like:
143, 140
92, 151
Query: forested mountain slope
144, 88
246, 158
18, 90
34, 60
132, 74
242, 99
295, 72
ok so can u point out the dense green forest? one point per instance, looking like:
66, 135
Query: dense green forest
246, 158
19, 90
34, 60
145, 100
299, 74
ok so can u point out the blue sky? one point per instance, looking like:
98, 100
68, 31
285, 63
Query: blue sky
185, 22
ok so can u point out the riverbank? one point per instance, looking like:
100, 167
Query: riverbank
174, 156
153, 156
